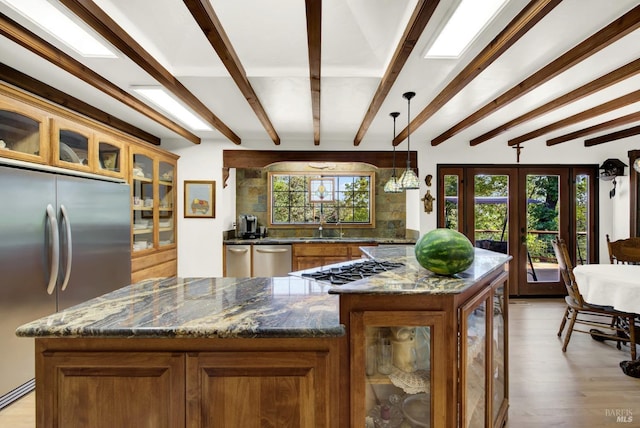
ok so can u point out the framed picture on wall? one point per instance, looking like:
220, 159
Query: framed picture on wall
199, 199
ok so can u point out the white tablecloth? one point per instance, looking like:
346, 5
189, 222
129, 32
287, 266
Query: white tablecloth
610, 284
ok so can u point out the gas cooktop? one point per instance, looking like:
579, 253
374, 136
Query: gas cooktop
344, 274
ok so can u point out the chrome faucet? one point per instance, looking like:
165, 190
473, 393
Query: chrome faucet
320, 227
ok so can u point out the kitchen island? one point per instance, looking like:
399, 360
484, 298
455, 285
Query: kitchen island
279, 352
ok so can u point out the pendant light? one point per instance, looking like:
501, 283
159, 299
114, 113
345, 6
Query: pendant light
409, 179
393, 185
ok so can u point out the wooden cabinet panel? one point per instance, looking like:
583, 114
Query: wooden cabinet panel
277, 389
24, 132
307, 256
136, 390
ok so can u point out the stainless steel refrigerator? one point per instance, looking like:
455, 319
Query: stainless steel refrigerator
63, 240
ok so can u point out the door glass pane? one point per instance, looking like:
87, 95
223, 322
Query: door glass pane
582, 240
491, 209
19, 133
143, 201
475, 384
109, 156
543, 213
499, 350
74, 147
166, 197
451, 204
398, 376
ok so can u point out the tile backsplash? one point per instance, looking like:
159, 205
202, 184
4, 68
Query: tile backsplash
390, 208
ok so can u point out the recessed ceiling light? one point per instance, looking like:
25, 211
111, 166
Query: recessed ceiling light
59, 25
468, 20
171, 106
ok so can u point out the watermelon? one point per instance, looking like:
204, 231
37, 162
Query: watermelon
444, 251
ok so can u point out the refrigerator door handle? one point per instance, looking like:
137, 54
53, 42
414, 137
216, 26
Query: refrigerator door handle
55, 245
67, 228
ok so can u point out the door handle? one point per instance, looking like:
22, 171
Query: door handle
238, 250
65, 218
55, 244
273, 250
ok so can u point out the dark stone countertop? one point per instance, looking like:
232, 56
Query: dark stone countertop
328, 240
287, 307
200, 307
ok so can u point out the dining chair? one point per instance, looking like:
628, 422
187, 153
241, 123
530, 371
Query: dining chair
579, 312
625, 251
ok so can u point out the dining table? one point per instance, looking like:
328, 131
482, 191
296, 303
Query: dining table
616, 285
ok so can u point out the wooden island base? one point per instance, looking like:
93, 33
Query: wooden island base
155, 383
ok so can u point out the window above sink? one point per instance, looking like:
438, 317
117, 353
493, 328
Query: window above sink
313, 199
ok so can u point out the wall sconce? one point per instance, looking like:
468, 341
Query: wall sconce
612, 168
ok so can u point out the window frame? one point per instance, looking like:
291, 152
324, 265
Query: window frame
315, 222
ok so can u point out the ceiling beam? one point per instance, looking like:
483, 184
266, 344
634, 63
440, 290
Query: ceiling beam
630, 132
623, 120
97, 19
41, 89
314, 42
523, 22
614, 104
416, 25
262, 158
203, 13
25, 38
598, 41
592, 87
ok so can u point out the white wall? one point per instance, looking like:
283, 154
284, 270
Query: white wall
200, 240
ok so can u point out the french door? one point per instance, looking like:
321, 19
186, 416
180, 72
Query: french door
519, 210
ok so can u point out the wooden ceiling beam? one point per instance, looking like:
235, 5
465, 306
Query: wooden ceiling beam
598, 41
607, 107
25, 38
314, 42
630, 132
623, 120
97, 19
523, 22
41, 89
203, 13
262, 158
416, 25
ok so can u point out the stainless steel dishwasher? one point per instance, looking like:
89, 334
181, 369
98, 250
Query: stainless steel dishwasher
271, 260
237, 261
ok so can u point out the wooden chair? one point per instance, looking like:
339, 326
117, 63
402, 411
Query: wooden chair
582, 313
625, 251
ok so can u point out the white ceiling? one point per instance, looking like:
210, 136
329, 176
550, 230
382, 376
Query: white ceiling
358, 41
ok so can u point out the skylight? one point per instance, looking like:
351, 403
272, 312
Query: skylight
60, 26
468, 20
171, 106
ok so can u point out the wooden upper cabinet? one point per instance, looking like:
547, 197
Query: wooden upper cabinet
24, 132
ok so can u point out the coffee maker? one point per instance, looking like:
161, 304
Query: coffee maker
248, 226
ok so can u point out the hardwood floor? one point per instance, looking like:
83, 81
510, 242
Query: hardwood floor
583, 387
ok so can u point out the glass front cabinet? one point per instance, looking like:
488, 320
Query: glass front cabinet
429, 360
153, 207
24, 132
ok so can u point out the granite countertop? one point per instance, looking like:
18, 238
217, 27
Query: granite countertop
414, 279
200, 307
329, 240
248, 307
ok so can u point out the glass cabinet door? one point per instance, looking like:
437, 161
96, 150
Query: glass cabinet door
166, 202
474, 366
143, 202
23, 134
399, 371
112, 157
72, 146
499, 339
